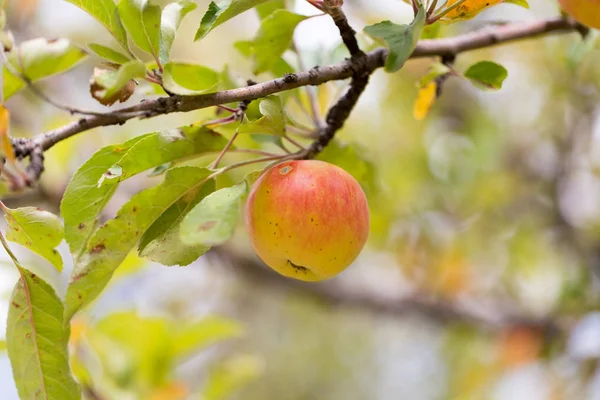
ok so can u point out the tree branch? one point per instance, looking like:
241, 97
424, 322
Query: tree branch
316, 76
332, 294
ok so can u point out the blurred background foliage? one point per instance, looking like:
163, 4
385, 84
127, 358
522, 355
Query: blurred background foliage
481, 276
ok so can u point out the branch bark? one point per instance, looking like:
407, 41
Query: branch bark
437, 310
316, 76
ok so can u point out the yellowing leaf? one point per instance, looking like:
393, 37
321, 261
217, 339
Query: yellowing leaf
78, 327
468, 9
425, 99
5, 144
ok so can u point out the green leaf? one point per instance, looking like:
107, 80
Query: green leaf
222, 12
227, 377
37, 59
36, 339
278, 68
399, 39
2, 345
162, 147
273, 39
487, 75
189, 79
351, 159
108, 53
105, 11
142, 21
83, 200
435, 70
271, 123
521, 3
110, 86
169, 23
38, 230
162, 242
142, 344
265, 9
213, 221
204, 333
111, 243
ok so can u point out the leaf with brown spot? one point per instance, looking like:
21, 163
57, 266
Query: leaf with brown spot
162, 242
38, 230
93, 270
36, 340
213, 220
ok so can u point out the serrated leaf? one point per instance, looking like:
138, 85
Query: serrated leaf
108, 53
222, 12
162, 242
171, 18
272, 121
38, 230
142, 21
189, 79
105, 11
425, 99
273, 39
36, 339
204, 333
37, 59
399, 39
111, 243
162, 147
213, 221
487, 75
108, 87
83, 199
265, 9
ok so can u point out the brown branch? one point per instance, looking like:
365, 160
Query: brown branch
316, 76
339, 113
333, 294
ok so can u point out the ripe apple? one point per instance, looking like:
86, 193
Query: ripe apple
307, 219
585, 11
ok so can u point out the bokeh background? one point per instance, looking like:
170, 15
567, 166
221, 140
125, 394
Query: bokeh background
481, 276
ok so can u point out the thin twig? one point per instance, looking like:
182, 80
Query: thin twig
312, 99
316, 76
224, 151
294, 142
36, 91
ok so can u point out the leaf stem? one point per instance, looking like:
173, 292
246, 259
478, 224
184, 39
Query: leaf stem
312, 99
294, 142
444, 12
222, 153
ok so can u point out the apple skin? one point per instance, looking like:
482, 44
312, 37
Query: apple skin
586, 12
307, 219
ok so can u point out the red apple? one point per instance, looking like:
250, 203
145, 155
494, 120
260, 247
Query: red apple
307, 220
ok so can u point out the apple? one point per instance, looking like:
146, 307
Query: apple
307, 219
586, 12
